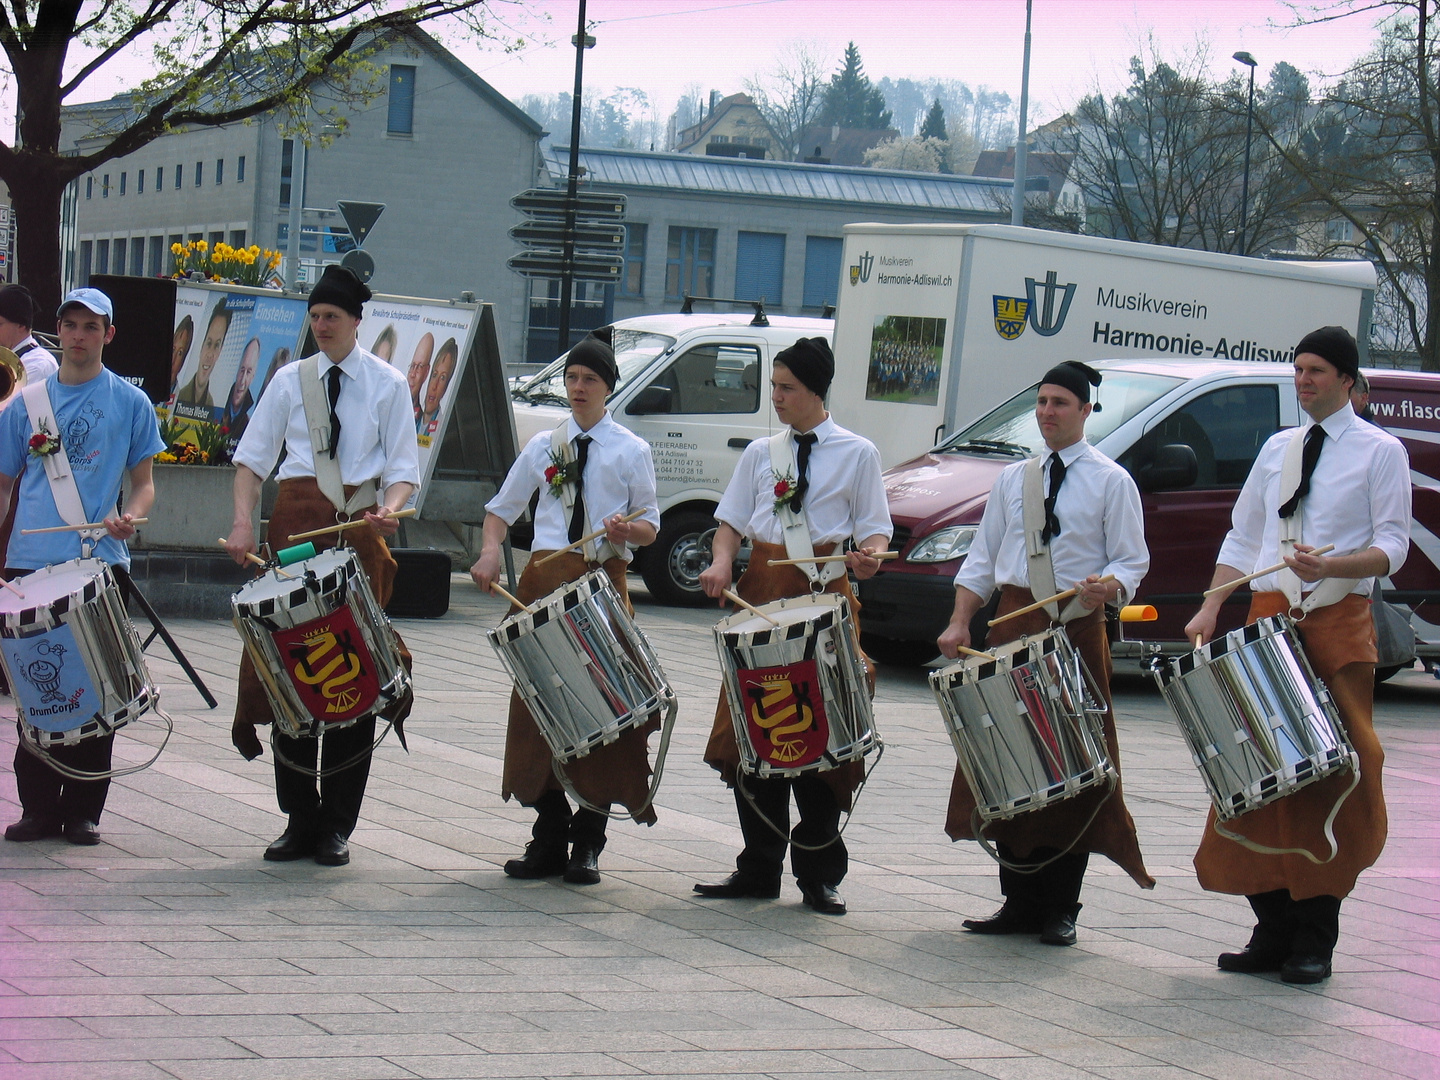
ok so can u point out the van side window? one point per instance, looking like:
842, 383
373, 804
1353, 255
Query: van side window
1225, 428
706, 379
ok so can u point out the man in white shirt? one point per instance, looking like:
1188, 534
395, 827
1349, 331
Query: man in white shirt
1093, 529
838, 491
604, 472
1346, 483
17, 317
372, 437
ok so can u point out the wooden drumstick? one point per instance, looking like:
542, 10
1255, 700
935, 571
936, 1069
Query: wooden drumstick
1066, 595
974, 652
585, 540
78, 528
495, 586
258, 561
734, 598
883, 556
1261, 573
343, 525
9, 585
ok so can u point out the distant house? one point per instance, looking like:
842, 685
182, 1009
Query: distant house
733, 127
1048, 179
840, 146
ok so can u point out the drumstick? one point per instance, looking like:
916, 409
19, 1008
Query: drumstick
883, 556
585, 540
1066, 595
974, 652
258, 561
496, 587
78, 528
734, 598
1261, 573
13, 589
342, 526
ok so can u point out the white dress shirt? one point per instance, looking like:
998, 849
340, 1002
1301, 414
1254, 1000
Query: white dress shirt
1359, 498
1102, 527
619, 479
846, 496
39, 362
377, 424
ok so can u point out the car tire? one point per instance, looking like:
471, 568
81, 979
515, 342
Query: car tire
680, 553
894, 653
1383, 674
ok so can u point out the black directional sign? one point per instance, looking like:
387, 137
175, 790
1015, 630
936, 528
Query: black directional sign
584, 266
550, 202
360, 217
550, 233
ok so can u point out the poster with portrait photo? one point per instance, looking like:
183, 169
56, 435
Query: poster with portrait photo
905, 353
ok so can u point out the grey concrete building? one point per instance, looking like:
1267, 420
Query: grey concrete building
440, 147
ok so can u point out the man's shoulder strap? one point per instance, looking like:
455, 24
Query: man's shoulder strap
57, 465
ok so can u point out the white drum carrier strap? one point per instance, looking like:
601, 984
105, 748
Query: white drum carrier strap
1329, 590
560, 447
794, 526
327, 469
1040, 566
57, 465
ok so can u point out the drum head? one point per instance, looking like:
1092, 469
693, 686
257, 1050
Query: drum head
44, 587
334, 563
784, 612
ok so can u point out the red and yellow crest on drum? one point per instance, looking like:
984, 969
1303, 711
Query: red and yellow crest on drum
330, 667
785, 713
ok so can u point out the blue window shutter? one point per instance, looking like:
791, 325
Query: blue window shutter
402, 100
822, 269
760, 266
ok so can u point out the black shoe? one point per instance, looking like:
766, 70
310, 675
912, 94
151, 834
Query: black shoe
584, 866
539, 861
32, 827
332, 850
738, 886
1251, 961
81, 832
1059, 928
292, 845
1008, 920
1305, 969
821, 897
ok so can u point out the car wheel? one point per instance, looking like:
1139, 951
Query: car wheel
895, 653
1383, 674
674, 563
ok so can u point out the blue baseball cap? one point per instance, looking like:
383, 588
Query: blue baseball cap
93, 299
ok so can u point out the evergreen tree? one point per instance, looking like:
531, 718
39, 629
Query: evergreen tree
851, 99
934, 126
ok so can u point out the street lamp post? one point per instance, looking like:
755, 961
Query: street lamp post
1249, 61
1017, 199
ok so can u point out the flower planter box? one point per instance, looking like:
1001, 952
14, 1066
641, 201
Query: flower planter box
194, 509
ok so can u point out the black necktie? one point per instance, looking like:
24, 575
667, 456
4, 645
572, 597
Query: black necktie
1057, 477
802, 462
334, 394
577, 514
1314, 442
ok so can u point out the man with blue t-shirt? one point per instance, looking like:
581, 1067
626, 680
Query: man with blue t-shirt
106, 429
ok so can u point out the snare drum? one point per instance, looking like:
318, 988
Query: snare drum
72, 655
1258, 722
325, 652
799, 697
1027, 726
582, 666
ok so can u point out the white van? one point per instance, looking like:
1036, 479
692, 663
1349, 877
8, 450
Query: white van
697, 389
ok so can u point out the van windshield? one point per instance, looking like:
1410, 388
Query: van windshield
634, 349
1011, 429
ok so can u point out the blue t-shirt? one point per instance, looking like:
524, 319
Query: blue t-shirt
107, 427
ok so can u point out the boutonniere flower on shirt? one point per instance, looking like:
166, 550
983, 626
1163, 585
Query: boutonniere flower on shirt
43, 443
784, 491
558, 473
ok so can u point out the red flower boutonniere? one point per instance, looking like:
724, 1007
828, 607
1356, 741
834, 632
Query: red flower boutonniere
558, 473
43, 443
784, 491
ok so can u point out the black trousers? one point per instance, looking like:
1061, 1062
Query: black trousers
556, 825
331, 804
1050, 891
1295, 927
763, 857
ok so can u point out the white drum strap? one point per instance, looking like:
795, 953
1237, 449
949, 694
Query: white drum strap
1040, 566
317, 421
561, 448
795, 528
1329, 828
1329, 590
63, 488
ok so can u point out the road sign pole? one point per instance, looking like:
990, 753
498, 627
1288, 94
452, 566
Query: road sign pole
567, 277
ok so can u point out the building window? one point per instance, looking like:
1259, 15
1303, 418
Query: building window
120, 255
402, 100
196, 236
822, 270
102, 257
179, 176
240, 170
86, 259
89, 187
632, 274
689, 262
1339, 231
199, 173
760, 266
137, 256
237, 238
219, 171
217, 238
159, 177
287, 169
157, 256
105, 188
122, 182
139, 181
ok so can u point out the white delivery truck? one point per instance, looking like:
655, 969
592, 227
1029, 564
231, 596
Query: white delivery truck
938, 324
697, 389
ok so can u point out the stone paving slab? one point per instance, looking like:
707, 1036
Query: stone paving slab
174, 951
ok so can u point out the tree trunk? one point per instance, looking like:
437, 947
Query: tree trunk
36, 202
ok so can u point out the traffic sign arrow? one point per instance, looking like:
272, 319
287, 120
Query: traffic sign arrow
551, 202
551, 264
360, 218
550, 233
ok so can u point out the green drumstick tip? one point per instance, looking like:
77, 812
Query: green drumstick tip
298, 553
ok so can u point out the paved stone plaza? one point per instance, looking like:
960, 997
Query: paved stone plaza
172, 950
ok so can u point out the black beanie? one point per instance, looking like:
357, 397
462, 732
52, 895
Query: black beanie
17, 305
1073, 376
1335, 345
811, 361
342, 288
593, 353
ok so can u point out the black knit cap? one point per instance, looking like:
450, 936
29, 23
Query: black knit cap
1335, 345
342, 288
811, 361
593, 352
17, 305
1073, 376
